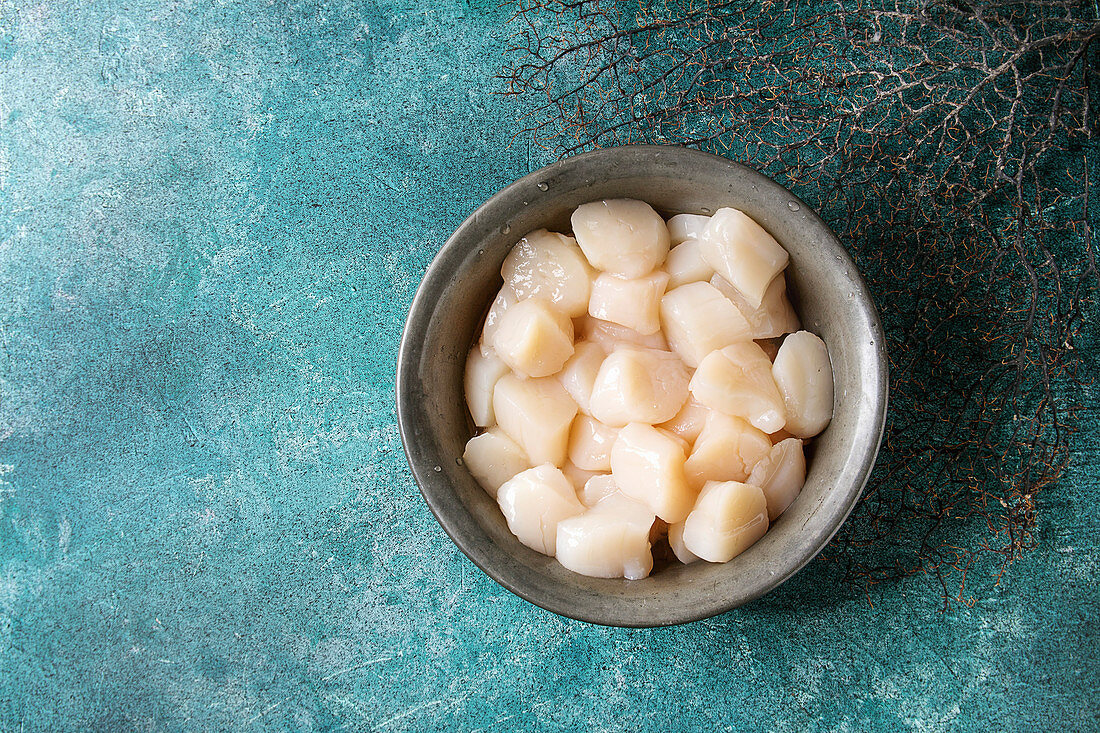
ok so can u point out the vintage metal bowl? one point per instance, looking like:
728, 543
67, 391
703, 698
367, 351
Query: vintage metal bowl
832, 301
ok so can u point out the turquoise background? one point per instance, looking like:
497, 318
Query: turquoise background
213, 217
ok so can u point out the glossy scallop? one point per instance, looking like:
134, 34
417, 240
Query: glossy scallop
549, 266
737, 380
697, 320
780, 475
648, 466
742, 251
537, 415
727, 449
639, 385
633, 303
727, 519
621, 236
493, 458
805, 379
534, 501
534, 338
610, 540
483, 370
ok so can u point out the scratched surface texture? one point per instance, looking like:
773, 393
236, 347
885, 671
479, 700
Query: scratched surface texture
213, 217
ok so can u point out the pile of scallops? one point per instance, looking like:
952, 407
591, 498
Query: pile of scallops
644, 382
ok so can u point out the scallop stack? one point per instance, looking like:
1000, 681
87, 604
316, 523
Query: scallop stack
644, 381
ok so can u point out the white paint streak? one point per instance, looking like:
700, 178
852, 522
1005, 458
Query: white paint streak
503, 718
266, 710
405, 714
367, 663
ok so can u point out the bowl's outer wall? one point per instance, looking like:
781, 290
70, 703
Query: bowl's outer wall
833, 302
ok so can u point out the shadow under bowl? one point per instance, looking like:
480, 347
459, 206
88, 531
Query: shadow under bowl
832, 301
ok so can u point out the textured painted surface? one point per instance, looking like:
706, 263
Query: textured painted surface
213, 217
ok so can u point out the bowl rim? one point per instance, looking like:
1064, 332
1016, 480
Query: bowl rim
421, 310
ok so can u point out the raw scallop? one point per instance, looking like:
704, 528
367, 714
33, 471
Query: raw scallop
621, 236
742, 252
590, 444
549, 266
676, 542
685, 264
631, 303
727, 519
504, 300
684, 227
534, 338
805, 378
689, 421
483, 370
579, 373
781, 475
737, 380
727, 449
774, 317
596, 488
534, 501
698, 320
639, 385
648, 465
610, 540
536, 414
493, 458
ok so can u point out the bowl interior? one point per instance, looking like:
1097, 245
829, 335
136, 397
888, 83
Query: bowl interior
831, 299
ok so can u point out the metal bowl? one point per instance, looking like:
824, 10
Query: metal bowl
832, 301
